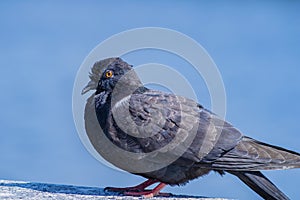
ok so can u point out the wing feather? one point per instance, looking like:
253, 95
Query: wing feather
253, 155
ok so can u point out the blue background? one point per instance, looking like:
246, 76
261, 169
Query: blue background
255, 45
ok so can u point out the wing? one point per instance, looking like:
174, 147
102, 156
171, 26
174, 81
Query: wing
182, 128
177, 126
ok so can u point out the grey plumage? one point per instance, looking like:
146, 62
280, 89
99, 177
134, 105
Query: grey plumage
203, 141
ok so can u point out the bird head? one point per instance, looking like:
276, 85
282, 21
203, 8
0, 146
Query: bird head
106, 73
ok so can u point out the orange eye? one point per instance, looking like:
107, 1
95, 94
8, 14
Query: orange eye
108, 74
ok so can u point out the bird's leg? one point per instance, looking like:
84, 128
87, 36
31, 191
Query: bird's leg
138, 188
149, 193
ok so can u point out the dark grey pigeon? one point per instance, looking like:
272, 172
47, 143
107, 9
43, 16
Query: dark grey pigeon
170, 139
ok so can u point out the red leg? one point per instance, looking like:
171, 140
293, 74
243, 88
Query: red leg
137, 188
149, 193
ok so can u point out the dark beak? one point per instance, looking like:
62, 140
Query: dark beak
90, 86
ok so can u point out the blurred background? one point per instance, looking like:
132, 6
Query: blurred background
256, 47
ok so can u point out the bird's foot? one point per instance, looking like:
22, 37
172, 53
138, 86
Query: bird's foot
149, 193
138, 188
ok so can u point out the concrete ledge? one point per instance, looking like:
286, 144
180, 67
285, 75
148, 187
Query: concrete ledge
36, 191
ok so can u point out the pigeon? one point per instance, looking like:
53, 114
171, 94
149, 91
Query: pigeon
170, 139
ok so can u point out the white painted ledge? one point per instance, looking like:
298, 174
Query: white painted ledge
11, 190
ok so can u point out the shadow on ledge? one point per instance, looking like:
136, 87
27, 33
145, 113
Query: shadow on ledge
70, 190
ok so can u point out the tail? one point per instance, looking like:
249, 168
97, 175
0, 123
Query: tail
260, 184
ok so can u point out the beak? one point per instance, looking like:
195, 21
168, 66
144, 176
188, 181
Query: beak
90, 86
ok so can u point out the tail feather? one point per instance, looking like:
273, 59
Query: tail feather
260, 184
